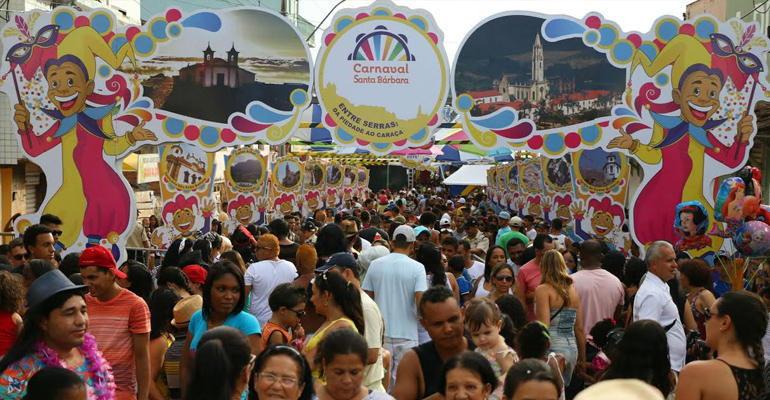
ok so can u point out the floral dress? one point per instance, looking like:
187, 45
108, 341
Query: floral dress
491, 356
13, 381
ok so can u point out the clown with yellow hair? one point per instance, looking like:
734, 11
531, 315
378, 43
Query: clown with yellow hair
92, 195
680, 143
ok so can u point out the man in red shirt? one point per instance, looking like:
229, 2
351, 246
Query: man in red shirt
529, 274
120, 322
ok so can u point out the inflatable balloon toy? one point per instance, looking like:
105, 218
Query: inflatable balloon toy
690, 225
752, 239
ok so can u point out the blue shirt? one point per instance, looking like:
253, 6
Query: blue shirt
501, 232
395, 279
465, 288
242, 321
721, 287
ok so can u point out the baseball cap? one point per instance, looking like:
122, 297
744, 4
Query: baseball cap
99, 256
505, 215
471, 221
516, 222
343, 259
308, 226
445, 221
195, 273
620, 389
461, 201
542, 225
418, 230
404, 233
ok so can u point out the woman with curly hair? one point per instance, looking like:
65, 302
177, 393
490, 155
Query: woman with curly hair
11, 297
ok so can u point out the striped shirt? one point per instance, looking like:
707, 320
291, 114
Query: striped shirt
113, 323
171, 365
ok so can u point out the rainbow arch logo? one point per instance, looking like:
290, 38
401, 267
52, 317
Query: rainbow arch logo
381, 45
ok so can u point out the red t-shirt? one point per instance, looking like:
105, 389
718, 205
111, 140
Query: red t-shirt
7, 331
529, 276
113, 323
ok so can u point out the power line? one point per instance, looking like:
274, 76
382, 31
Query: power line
755, 9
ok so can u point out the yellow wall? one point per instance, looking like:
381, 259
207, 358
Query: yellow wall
6, 194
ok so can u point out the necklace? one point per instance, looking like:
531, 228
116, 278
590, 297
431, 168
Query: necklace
103, 381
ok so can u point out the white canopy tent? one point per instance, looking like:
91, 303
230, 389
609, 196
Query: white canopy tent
475, 175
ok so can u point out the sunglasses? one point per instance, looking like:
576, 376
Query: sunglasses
20, 257
57, 233
708, 314
506, 278
300, 313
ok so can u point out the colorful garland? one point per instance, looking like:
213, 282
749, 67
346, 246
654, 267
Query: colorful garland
104, 382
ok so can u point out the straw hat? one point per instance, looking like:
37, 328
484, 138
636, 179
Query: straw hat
184, 310
620, 389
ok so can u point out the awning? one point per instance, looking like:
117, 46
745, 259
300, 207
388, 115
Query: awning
469, 175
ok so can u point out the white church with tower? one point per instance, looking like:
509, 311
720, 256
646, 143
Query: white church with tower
215, 71
534, 90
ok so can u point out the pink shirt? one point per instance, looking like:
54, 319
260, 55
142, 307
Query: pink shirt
600, 293
529, 276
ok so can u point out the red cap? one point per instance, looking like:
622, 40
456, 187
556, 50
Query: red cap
99, 256
195, 273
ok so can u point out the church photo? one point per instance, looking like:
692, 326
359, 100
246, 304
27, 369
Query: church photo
506, 63
221, 73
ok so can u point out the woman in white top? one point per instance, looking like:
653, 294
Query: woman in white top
484, 285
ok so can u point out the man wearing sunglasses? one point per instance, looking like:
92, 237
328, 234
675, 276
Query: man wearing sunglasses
55, 224
17, 254
345, 264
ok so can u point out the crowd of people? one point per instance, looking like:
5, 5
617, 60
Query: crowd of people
409, 295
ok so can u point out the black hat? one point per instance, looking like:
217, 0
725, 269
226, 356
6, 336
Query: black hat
342, 259
49, 284
308, 226
471, 221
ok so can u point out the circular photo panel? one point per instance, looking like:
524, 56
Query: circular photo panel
314, 175
288, 174
531, 179
361, 176
333, 175
350, 176
246, 170
558, 173
187, 167
513, 176
599, 170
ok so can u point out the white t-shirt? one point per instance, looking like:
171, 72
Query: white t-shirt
531, 234
373, 333
395, 279
476, 270
263, 277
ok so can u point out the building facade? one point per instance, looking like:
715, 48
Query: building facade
534, 90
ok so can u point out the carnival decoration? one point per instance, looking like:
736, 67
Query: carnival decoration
600, 181
86, 92
363, 183
245, 191
334, 192
349, 182
382, 77
691, 225
512, 186
186, 185
286, 185
559, 194
530, 201
313, 187
739, 207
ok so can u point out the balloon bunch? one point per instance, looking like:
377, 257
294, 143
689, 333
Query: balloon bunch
739, 206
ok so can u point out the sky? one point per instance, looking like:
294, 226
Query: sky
456, 18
